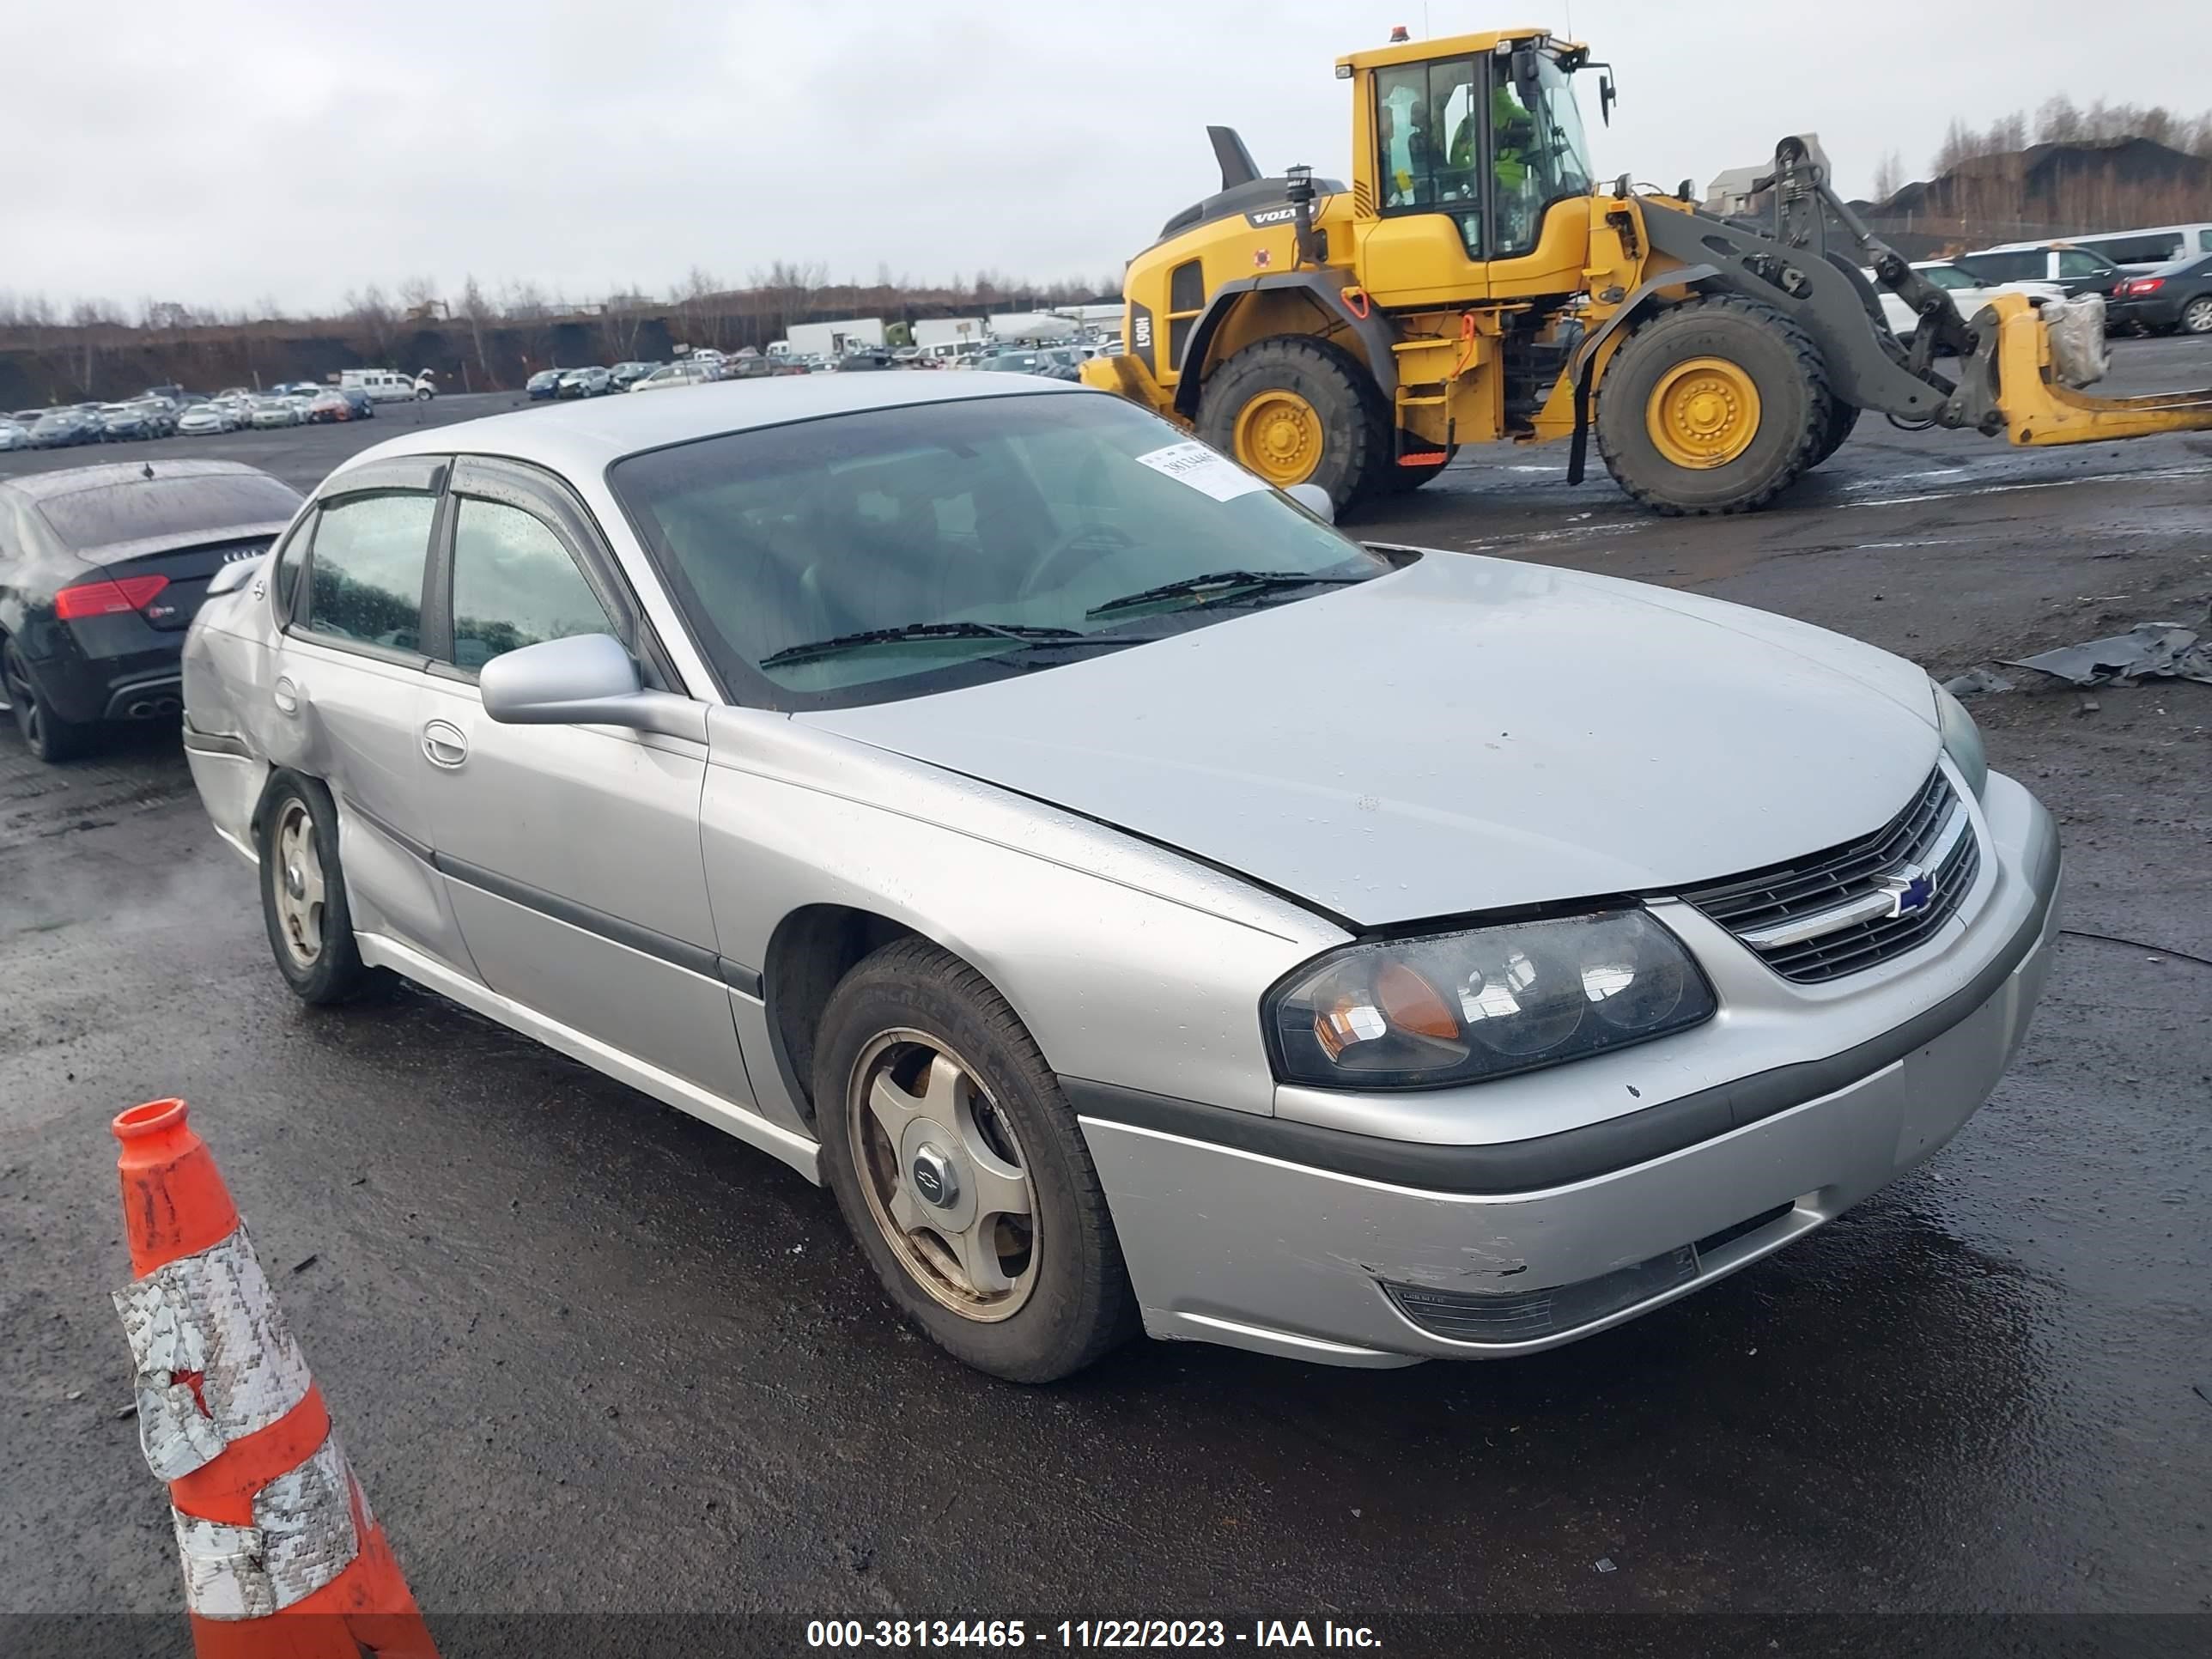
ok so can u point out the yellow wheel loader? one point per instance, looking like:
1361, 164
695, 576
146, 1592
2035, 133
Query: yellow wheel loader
1475, 283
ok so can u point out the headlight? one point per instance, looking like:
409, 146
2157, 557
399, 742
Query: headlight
1962, 739
1419, 1013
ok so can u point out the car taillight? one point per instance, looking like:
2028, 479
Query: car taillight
2144, 285
107, 598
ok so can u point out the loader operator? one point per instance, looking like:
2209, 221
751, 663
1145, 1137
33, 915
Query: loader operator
1513, 132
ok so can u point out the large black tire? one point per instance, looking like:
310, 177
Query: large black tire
1782, 364
1355, 421
45, 733
1842, 417
332, 970
1079, 1304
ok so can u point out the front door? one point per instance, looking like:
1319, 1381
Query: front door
571, 853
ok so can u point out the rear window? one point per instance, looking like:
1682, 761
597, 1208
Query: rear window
108, 513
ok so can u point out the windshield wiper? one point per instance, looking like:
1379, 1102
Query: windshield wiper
1218, 585
1024, 633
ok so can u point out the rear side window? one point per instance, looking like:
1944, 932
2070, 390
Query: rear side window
365, 581
514, 585
2006, 267
2074, 263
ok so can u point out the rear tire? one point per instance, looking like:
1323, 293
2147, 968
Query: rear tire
45, 733
1030, 1297
1713, 407
303, 896
1295, 409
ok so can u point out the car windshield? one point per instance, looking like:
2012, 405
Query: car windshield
1040, 513
182, 506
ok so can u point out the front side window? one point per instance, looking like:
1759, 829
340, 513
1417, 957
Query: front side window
2074, 263
1948, 276
899, 551
1541, 154
365, 574
514, 585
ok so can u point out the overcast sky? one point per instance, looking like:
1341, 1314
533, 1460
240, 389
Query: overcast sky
216, 152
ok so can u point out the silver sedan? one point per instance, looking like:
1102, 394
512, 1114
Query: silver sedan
1143, 907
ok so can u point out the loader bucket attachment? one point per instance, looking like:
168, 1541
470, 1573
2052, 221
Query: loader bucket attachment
2008, 384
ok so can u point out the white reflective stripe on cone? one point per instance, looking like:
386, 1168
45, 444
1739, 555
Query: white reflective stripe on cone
209, 1315
303, 1535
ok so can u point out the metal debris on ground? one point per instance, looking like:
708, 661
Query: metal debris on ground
1975, 681
1605, 1564
2147, 651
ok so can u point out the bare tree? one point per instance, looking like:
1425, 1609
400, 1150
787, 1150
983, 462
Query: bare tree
418, 297
372, 320
475, 310
2057, 122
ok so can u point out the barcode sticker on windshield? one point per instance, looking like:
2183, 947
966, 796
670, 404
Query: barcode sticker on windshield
1203, 470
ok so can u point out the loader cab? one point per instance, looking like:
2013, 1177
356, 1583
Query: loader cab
1464, 148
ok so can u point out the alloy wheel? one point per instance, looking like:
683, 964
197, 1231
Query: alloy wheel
944, 1174
298, 876
2197, 315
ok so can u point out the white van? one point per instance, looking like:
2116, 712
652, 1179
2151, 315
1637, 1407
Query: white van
2134, 249
386, 386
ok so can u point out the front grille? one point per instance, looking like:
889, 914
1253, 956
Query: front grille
1830, 914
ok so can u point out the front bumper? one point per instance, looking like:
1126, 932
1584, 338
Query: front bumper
1237, 1238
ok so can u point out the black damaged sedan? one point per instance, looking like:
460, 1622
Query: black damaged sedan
102, 568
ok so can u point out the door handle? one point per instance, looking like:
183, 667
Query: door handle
444, 743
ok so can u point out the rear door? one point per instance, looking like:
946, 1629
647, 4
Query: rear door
571, 853
346, 687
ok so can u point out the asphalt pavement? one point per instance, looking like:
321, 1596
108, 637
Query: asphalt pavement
591, 1357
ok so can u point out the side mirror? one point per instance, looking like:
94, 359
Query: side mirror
586, 680
1315, 499
1606, 97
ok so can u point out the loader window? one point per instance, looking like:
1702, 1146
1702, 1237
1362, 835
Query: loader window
1541, 153
1429, 142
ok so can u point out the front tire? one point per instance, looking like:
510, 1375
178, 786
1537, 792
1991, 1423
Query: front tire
303, 896
1842, 417
1713, 407
2196, 316
961, 1171
1298, 410
45, 733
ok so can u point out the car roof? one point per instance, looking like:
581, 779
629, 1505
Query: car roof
580, 439
39, 486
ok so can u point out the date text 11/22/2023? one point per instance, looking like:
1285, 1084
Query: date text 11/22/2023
925, 1634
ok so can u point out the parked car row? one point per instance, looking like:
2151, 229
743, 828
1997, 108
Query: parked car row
172, 411
2173, 298
597, 380
1053, 362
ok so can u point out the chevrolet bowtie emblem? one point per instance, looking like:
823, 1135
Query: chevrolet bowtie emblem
1911, 888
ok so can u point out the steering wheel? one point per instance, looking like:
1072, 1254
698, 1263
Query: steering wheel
1081, 538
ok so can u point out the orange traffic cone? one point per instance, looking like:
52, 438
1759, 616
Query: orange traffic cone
280, 1554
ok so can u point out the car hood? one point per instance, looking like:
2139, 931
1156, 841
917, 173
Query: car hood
1463, 734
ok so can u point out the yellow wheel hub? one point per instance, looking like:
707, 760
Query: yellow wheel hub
1279, 436
1703, 413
